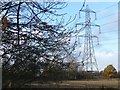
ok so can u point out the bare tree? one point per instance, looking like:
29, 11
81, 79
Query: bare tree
34, 39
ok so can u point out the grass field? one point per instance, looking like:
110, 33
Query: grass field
94, 83
111, 83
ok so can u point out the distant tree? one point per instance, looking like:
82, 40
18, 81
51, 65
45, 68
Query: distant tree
53, 73
72, 69
109, 71
72, 73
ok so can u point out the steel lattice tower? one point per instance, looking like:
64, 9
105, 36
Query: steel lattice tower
88, 58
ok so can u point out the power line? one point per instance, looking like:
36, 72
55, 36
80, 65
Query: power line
110, 22
106, 8
109, 31
108, 41
106, 16
110, 38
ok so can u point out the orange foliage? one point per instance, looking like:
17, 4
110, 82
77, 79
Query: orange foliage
109, 71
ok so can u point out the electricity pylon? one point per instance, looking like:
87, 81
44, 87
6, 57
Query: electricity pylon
88, 59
